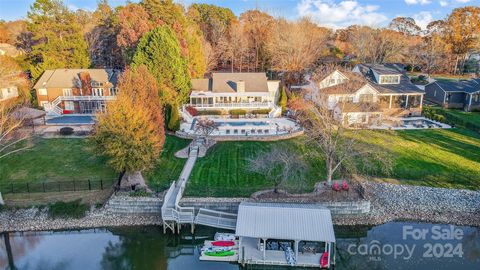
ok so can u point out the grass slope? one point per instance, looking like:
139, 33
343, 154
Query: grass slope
168, 167
55, 160
224, 171
440, 158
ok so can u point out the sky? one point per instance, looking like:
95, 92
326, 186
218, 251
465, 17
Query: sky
331, 13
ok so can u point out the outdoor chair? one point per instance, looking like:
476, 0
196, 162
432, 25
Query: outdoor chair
345, 186
336, 186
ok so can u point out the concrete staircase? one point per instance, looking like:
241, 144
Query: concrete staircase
134, 205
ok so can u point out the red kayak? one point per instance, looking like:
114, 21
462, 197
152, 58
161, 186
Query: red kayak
223, 243
324, 260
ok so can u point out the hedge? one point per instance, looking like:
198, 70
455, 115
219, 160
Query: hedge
261, 111
444, 116
237, 112
209, 112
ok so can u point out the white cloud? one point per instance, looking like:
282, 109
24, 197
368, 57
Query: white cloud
415, 2
423, 19
342, 14
443, 3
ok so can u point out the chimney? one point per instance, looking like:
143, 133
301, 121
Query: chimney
241, 87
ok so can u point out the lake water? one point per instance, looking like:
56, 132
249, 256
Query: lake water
396, 245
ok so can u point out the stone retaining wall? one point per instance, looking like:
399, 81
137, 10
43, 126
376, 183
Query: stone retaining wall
231, 205
245, 138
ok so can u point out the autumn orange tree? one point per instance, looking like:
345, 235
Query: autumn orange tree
131, 132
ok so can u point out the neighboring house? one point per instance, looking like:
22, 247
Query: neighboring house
226, 91
8, 93
369, 94
76, 91
462, 94
9, 50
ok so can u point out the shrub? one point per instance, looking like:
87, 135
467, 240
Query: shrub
139, 193
237, 112
210, 112
282, 102
191, 110
73, 209
261, 111
174, 121
65, 131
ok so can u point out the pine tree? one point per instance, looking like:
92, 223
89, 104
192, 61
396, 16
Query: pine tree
57, 36
159, 51
174, 119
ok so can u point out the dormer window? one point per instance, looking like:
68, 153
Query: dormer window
389, 79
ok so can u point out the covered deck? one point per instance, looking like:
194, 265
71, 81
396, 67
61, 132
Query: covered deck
266, 229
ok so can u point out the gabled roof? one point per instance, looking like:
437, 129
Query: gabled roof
227, 82
466, 86
69, 78
353, 83
307, 222
404, 87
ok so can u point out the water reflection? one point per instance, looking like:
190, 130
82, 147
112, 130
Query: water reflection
148, 248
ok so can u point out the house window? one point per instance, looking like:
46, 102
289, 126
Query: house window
435, 93
97, 92
42, 91
113, 91
390, 79
67, 92
69, 106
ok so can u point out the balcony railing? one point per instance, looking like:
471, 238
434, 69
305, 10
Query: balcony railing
88, 98
235, 105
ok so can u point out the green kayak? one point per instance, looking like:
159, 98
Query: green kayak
220, 253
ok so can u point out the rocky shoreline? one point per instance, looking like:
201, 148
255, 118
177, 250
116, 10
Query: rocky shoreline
388, 203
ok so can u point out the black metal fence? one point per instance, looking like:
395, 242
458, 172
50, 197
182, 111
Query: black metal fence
59, 186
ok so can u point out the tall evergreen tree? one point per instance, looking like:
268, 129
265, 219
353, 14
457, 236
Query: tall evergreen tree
57, 36
159, 51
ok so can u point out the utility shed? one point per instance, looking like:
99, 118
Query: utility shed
265, 229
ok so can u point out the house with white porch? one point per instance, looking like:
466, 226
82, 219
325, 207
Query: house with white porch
227, 91
76, 91
368, 94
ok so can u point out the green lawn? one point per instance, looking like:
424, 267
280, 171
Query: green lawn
469, 117
55, 160
224, 171
440, 158
168, 167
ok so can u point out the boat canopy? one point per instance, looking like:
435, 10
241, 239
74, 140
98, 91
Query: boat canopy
301, 222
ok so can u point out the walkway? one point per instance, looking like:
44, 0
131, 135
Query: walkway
174, 215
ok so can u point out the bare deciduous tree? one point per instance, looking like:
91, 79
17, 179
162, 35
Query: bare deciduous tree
341, 148
279, 165
296, 46
11, 135
204, 127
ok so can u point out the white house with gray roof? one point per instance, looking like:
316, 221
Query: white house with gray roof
226, 91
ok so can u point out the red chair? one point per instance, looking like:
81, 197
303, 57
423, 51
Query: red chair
345, 186
336, 186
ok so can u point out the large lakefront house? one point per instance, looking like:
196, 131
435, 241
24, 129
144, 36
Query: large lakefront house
227, 91
368, 94
76, 91
463, 94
